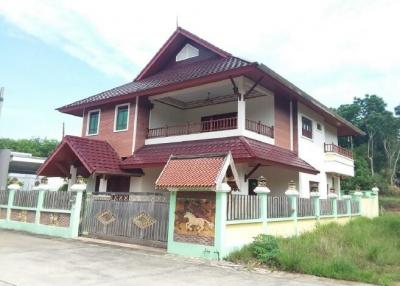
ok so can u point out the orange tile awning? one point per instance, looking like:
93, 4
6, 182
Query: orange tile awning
196, 172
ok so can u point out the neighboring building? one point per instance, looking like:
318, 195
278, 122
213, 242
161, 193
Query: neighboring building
23, 166
193, 98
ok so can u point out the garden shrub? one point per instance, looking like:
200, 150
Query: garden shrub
265, 248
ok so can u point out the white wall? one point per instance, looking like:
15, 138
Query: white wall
195, 114
261, 109
330, 134
312, 151
277, 178
162, 115
147, 182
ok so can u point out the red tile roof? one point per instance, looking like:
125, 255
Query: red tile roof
200, 172
94, 156
164, 78
242, 149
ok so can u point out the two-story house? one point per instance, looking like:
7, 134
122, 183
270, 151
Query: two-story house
194, 98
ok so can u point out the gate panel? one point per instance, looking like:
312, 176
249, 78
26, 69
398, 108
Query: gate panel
130, 217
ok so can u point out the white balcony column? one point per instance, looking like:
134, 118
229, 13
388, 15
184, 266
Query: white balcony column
72, 180
241, 110
103, 184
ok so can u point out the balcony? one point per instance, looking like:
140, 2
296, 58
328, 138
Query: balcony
230, 123
338, 160
332, 148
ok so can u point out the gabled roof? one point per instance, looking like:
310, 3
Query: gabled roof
197, 172
170, 48
89, 155
242, 149
159, 77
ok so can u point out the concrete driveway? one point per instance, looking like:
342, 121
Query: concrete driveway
35, 260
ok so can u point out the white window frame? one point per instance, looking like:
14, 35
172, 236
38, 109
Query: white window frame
116, 114
88, 121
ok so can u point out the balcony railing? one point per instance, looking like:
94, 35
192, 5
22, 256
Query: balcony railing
209, 126
194, 127
260, 128
338, 150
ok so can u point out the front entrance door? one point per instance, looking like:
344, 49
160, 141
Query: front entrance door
139, 217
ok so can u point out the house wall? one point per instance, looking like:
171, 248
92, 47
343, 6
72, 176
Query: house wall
277, 178
122, 140
147, 182
142, 122
261, 109
312, 150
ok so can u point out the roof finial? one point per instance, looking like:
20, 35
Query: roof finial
177, 21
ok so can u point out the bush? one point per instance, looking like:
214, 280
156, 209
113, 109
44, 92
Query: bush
265, 248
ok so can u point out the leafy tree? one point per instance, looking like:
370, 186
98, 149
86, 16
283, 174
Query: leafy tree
36, 146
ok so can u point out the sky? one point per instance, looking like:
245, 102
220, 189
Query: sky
55, 52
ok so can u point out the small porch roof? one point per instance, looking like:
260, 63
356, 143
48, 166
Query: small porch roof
243, 150
201, 172
87, 155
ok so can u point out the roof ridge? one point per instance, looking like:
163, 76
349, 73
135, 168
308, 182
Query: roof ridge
247, 146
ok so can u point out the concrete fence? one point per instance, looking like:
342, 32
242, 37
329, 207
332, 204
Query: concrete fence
41, 211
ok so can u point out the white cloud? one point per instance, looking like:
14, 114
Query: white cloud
302, 40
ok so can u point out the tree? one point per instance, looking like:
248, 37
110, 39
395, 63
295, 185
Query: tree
36, 146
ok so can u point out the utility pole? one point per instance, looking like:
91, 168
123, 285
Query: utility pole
1, 98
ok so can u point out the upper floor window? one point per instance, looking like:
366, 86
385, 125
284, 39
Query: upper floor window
187, 52
306, 127
93, 122
121, 117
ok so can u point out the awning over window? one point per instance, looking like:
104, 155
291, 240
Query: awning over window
200, 172
87, 155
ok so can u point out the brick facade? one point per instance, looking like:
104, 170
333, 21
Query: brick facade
121, 141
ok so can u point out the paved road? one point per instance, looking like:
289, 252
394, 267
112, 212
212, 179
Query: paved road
35, 260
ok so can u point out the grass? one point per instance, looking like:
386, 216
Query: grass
363, 250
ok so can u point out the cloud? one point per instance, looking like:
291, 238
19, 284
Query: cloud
309, 42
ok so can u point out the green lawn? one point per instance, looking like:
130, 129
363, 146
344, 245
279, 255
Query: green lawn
362, 250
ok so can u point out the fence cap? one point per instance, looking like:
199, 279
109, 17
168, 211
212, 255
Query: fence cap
292, 191
78, 187
224, 188
346, 197
262, 186
43, 187
358, 194
14, 187
314, 194
332, 196
375, 189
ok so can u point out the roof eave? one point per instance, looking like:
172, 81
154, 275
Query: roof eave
309, 98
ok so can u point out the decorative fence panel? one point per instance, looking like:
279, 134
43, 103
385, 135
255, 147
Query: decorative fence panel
28, 199
58, 200
42, 212
3, 197
130, 217
326, 207
305, 207
341, 207
278, 207
355, 207
243, 207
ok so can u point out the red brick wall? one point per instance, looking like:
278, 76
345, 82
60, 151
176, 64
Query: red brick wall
121, 141
142, 121
295, 127
282, 121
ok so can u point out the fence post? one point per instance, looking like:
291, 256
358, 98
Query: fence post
262, 190
292, 195
43, 187
220, 218
11, 192
317, 209
358, 196
79, 188
333, 197
347, 199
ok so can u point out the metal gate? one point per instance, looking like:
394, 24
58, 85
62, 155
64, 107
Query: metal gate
140, 218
